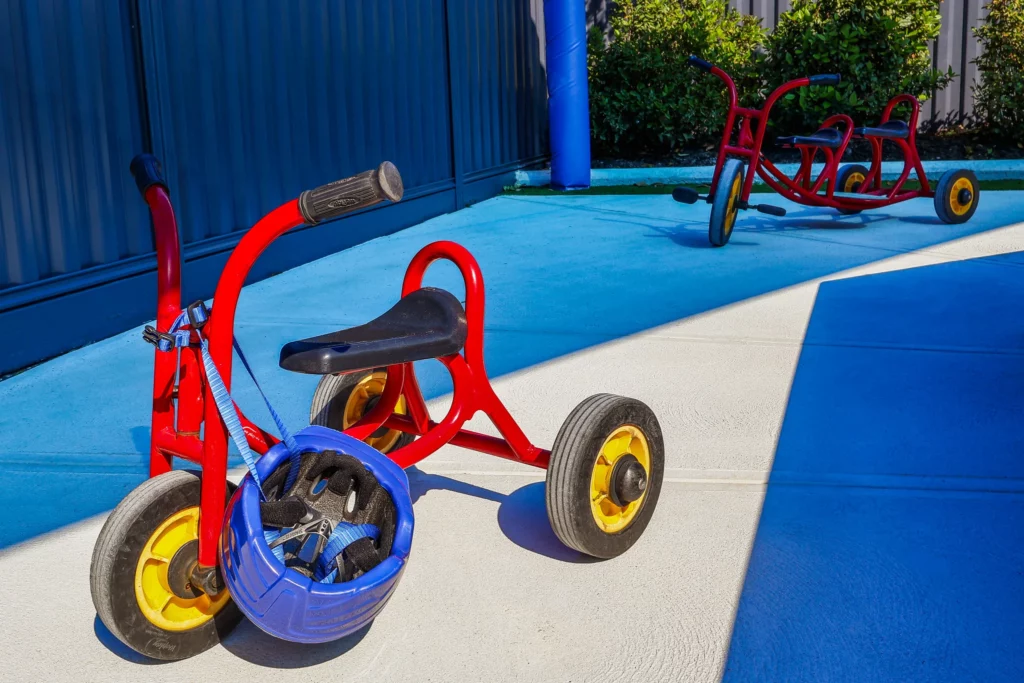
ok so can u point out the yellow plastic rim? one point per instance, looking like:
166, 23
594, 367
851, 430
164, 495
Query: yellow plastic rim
954, 196
852, 180
355, 407
625, 440
158, 603
730, 210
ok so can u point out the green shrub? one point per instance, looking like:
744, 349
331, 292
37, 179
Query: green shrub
880, 47
999, 98
644, 99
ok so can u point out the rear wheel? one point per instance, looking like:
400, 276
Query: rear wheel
140, 577
724, 208
605, 474
850, 180
340, 401
956, 196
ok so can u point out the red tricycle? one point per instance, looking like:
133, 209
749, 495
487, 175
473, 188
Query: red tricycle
174, 549
851, 188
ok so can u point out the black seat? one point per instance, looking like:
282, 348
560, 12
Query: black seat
428, 323
889, 129
826, 137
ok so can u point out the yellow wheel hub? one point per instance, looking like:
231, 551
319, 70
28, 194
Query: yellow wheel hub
626, 440
731, 211
157, 601
954, 196
852, 181
367, 389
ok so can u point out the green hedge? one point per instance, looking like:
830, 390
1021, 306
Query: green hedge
999, 97
644, 99
879, 47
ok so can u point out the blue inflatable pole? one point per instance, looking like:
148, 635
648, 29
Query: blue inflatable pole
565, 22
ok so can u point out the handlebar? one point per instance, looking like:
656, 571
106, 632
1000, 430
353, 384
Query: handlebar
146, 170
825, 79
350, 194
700, 63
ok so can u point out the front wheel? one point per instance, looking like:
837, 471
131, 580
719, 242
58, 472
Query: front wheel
956, 196
141, 570
724, 205
341, 401
605, 475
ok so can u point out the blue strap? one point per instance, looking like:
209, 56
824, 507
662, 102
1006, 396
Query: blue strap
293, 448
226, 408
343, 536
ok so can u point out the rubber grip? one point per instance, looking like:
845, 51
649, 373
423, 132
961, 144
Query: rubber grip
699, 63
826, 79
351, 194
146, 170
771, 210
685, 195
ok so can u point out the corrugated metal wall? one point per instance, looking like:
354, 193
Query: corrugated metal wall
69, 125
956, 45
252, 101
247, 103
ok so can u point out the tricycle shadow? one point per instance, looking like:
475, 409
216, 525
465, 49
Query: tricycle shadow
813, 219
693, 238
115, 646
248, 642
522, 514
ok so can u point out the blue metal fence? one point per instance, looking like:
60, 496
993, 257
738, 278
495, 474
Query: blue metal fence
69, 124
247, 102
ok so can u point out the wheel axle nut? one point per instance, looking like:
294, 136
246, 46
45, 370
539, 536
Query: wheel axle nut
628, 481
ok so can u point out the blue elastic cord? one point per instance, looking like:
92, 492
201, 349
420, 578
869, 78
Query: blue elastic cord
343, 536
226, 408
293, 448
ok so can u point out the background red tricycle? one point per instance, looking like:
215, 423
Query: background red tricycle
850, 188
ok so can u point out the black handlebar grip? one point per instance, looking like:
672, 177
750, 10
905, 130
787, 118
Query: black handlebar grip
700, 64
350, 194
147, 172
771, 210
826, 79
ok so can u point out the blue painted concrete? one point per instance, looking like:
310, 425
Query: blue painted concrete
562, 274
997, 169
913, 377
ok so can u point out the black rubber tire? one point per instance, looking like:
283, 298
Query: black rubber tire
573, 457
115, 558
330, 397
943, 203
722, 219
844, 174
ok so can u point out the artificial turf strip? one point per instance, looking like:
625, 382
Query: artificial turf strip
986, 185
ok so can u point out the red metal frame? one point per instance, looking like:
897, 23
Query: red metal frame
183, 400
803, 188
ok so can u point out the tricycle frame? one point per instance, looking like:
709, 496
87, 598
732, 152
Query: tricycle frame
804, 188
183, 402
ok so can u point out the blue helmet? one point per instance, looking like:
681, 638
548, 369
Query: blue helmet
291, 591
